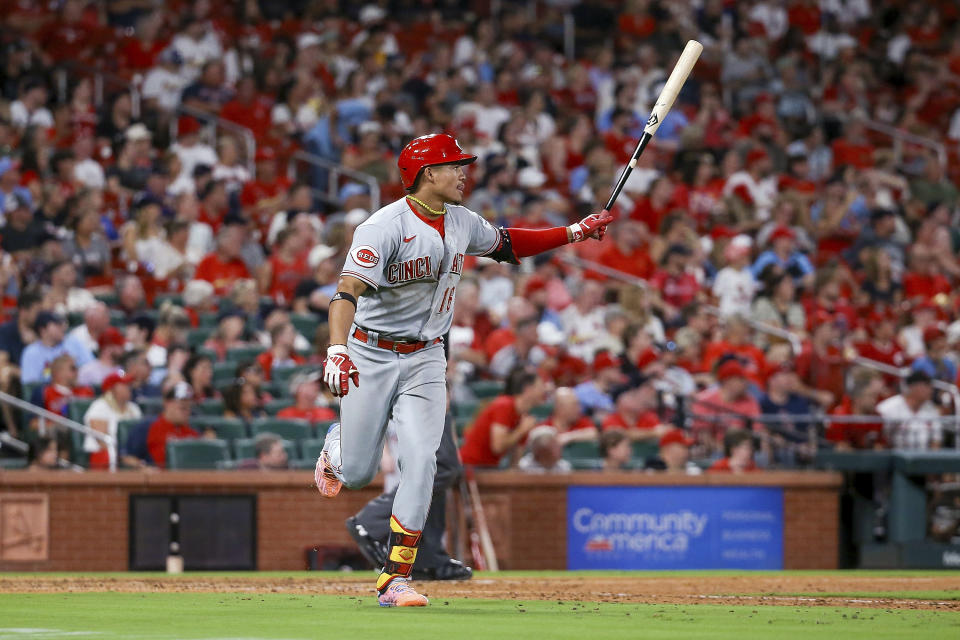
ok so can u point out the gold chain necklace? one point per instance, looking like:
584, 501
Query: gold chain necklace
427, 207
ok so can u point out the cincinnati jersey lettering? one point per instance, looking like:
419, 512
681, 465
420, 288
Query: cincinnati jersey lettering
408, 270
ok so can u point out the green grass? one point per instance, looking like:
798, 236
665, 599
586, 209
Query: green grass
205, 616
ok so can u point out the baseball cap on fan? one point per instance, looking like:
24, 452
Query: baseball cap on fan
179, 391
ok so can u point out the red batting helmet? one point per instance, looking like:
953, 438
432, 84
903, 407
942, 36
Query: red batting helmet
425, 151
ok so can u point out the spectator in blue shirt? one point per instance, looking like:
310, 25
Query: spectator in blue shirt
936, 363
595, 394
37, 356
785, 258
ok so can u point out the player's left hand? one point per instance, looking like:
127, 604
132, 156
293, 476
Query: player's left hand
339, 370
593, 226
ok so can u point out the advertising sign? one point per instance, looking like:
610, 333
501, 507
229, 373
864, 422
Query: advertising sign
674, 528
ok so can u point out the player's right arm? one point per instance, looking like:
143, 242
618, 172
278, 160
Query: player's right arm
338, 368
363, 268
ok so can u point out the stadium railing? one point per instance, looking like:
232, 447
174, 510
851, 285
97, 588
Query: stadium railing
45, 416
334, 172
626, 278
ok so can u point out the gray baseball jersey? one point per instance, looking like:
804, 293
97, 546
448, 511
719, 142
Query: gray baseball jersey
406, 263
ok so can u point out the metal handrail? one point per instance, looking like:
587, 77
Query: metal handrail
901, 373
99, 78
335, 171
795, 342
58, 419
900, 136
249, 141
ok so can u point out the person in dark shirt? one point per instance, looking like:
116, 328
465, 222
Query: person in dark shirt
18, 332
21, 233
781, 399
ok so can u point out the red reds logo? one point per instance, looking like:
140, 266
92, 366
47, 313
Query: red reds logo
365, 256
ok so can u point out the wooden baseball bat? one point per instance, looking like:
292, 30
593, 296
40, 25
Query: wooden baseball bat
480, 520
660, 110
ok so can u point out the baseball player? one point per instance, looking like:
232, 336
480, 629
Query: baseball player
394, 300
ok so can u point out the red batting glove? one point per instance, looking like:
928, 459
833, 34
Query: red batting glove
339, 370
593, 226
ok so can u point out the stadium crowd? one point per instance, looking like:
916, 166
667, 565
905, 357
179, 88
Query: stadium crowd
150, 265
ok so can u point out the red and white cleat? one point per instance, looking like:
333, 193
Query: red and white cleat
327, 482
401, 594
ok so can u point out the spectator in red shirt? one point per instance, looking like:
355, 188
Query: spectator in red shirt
674, 455
283, 270
265, 196
822, 365
731, 396
738, 453
628, 252
636, 412
139, 53
676, 285
281, 353
223, 266
652, 209
924, 280
306, 392
865, 393
736, 341
881, 344
505, 422
62, 388
172, 423
249, 109
853, 148
568, 419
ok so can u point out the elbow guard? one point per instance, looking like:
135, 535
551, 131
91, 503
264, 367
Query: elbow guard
504, 251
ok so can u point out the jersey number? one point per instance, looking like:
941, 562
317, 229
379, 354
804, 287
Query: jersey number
446, 300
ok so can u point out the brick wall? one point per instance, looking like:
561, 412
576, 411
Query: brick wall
527, 515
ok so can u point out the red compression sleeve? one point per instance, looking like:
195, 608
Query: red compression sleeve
530, 242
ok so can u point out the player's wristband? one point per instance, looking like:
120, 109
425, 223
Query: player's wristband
342, 295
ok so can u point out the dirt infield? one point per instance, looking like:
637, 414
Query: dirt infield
671, 589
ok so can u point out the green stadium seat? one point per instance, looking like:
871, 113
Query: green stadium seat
208, 320
244, 354
542, 411
77, 407
196, 337
486, 389
124, 427
588, 449
228, 429
209, 353
306, 324
29, 388
643, 449
109, 299
311, 448
282, 375
151, 406
77, 454
287, 429
277, 404
196, 454
464, 414
224, 373
245, 449
213, 407
12, 464
586, 464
